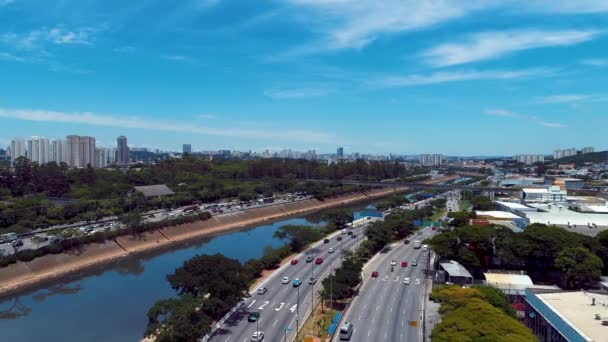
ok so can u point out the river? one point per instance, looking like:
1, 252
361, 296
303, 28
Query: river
111, 304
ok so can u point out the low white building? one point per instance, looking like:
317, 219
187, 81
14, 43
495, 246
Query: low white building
544, 195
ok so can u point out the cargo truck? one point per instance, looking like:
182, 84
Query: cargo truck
417, 244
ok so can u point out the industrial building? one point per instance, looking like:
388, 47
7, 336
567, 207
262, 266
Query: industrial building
551, 194
564, 316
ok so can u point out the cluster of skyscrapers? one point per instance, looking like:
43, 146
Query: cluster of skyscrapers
530, 159
75, 150
431, 159
569, 152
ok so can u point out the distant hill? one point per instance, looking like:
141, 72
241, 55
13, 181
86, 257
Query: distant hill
596, 157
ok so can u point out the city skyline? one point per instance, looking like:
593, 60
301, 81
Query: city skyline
372, 77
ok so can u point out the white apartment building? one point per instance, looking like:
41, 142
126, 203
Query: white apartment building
431, 159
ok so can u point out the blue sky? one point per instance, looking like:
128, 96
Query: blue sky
476, 77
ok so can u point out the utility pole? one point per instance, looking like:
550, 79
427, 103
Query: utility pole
298, 317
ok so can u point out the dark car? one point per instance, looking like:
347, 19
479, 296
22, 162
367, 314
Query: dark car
339, 238
353, 236
406, 241
349, 233
309, 258
253, 317
326, 240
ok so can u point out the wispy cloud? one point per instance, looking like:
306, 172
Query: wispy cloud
6, 2
355, 24
490, 45
512, 115
125, 49
56, 35
502, 112
463, 75
571, 98
178, 58
10, 57
147, 124
207, 116
595, 62
294, 93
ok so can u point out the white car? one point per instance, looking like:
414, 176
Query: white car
331, 250
393, 263
257, 336
406, 281
343, 231
285, 280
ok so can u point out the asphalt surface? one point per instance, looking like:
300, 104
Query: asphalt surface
385, 306
279, 306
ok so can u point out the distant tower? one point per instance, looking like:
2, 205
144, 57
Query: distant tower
187, 148
122, 151
340, 152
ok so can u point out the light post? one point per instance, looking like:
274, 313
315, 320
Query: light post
331, 287
298, 316
312, 290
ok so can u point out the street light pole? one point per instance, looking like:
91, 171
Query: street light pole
298, 317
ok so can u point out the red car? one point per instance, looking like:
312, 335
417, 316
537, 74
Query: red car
375, 274
319, 261
404, 264
294, 261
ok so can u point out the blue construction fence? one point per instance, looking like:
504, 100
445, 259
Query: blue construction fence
334, 324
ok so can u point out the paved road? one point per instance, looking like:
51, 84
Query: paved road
279, 306
385, 305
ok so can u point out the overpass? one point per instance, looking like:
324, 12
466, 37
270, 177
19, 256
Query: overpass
418, 185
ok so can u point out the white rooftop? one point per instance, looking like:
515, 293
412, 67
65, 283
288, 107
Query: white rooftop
559, 215
516, 280
497, 214
575, 308
455, 269
516, 206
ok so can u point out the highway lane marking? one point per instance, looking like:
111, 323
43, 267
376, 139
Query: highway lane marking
250, 305
228, 338
369, 332
275, 322
263, 305
293, 308
280, 307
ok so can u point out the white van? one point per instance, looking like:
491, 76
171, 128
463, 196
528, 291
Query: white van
346, 331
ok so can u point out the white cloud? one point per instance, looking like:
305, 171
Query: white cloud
502, 112
207, 116
464, 75
294, 93
509, 114
125, 49
56, 35
489, 45
595, 62
147, 124
347, 24
356, 23
571, 98
552, 124
10, 57
177, 58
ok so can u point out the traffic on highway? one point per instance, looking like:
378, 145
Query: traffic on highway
280, 304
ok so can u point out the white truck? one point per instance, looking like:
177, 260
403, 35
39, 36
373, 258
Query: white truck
416, 244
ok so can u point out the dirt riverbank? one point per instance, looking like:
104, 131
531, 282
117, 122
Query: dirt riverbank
24, 275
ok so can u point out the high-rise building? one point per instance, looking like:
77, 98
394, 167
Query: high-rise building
122, 151
59, 151
588, 150
530, 159
187, 148
102, 157
80, 151
340, 152
431, 159
3, 154
38, 150
569, 152
18, 149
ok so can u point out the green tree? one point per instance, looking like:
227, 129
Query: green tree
579, 267
178, 320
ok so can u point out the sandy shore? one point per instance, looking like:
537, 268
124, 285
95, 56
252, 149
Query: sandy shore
24, 275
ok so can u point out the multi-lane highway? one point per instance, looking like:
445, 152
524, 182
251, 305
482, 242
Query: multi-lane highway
278, 307
385, 305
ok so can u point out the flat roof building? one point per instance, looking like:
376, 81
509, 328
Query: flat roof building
563, 316
550, 194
